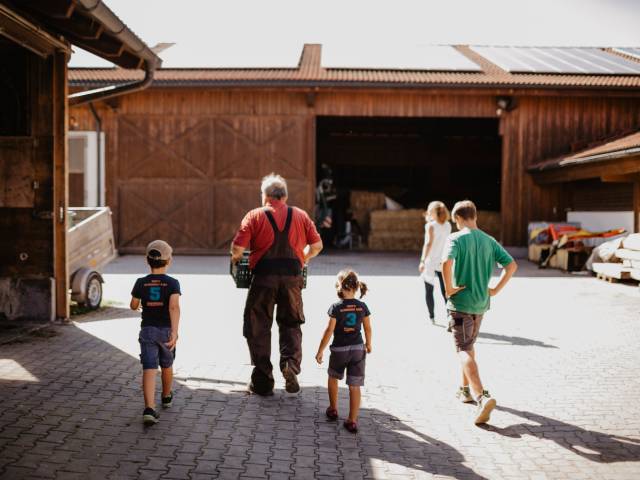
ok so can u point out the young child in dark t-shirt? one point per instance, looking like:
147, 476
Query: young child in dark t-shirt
348, 350
159, 296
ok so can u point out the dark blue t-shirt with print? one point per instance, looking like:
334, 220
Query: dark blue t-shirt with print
154, 292
349, 314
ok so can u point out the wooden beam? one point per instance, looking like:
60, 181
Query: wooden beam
629, 178
60, 185
636, 206
53, 8
569, 173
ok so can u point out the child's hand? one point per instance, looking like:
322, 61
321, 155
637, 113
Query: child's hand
319, 357
171, 344
368, 347
455, 290
493, 292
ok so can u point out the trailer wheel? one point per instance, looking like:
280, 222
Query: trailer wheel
94, 292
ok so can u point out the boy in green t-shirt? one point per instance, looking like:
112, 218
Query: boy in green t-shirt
469, 258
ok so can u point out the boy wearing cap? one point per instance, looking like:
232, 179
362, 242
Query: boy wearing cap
159, 296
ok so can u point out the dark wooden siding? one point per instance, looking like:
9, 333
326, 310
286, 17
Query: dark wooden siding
546, 127
185, 163
26, 158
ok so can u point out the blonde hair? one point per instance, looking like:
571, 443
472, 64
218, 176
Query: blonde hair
348, 280
437, 211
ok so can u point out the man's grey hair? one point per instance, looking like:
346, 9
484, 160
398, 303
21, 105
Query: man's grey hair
274, 186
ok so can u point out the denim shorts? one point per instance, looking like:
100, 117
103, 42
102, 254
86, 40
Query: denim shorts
153, 351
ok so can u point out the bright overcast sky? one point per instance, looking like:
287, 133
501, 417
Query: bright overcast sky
271, 32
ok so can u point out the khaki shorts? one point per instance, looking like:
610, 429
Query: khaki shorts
465, 328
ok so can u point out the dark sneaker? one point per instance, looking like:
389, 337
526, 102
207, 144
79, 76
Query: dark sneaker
150, 416
485, 405
167, 401
351, 426
252, 389
291, 381
464, 395
332, 413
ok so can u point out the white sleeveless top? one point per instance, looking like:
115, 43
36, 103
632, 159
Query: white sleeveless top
433, 263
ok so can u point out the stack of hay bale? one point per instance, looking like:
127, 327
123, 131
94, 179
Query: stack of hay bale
397, 230
362, 204
490, 222
403, 230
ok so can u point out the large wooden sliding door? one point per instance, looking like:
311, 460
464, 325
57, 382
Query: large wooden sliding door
189, 180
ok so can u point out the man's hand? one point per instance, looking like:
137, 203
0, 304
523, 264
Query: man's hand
421, 266
319, 357
312, 251
171, 344
236, 253
454, 290
368, 347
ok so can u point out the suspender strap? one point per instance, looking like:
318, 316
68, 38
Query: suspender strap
273, 223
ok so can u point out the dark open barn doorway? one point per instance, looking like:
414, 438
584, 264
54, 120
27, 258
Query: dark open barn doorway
411, 160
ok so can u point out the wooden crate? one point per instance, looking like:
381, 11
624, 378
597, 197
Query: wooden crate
569, 260
538, 252
612, 272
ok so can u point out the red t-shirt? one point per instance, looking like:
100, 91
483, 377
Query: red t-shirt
256, 233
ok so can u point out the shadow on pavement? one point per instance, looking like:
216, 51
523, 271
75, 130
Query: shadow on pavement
72, 408
595, 446
510, 340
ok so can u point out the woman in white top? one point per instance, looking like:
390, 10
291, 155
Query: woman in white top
436, 230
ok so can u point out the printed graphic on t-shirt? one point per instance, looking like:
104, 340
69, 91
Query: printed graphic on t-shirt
154, 292
349, 315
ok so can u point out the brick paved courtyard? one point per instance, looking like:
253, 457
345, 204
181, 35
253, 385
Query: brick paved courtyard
559, 352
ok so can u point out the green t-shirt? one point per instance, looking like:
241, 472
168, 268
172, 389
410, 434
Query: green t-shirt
475, 255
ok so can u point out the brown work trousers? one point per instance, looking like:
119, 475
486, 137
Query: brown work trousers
265, 293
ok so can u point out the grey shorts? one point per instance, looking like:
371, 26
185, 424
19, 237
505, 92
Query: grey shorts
352, 358
465, 328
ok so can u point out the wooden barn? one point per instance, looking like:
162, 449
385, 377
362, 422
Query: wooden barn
183, 159
35, 45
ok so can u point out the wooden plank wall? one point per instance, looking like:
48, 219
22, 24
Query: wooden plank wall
26, 195
542, 128
184, 164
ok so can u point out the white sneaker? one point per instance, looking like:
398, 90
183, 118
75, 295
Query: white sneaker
485, 405
464, 395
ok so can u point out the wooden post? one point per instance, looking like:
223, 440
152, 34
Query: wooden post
636, 206
60, 185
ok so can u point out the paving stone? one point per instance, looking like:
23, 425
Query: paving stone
81, 419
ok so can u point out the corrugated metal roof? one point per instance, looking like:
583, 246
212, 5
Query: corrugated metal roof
624, 146
310, 73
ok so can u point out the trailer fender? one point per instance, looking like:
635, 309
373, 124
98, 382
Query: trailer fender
79, 283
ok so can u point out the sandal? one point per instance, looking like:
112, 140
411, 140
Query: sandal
332, 413
351, 426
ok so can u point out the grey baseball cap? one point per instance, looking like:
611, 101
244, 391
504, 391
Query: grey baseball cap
162, 247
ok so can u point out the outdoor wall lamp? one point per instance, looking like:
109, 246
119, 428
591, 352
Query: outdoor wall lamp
504, 104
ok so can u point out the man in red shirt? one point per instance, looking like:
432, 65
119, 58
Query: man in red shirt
282, 240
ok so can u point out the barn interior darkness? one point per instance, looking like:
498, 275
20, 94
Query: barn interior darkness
412, 160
